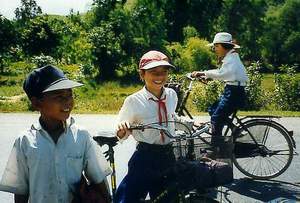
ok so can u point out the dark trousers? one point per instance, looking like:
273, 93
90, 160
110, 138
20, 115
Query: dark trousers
231, 100
145, 169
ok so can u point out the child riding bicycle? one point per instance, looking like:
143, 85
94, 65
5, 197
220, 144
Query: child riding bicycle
154, 152
233, 73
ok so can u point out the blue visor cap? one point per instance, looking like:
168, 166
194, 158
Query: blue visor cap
46, 79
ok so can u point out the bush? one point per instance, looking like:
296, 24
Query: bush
72, 71
205, 95
19, 68
193, 55
287, 90
42, 60
255, 95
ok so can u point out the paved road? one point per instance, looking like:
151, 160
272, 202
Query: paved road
287, 186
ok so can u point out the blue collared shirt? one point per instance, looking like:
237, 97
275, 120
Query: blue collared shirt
48, 172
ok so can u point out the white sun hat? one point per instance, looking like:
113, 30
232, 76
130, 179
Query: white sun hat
223, 38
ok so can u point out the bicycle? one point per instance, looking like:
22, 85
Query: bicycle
253, 133
179, 141
251, 138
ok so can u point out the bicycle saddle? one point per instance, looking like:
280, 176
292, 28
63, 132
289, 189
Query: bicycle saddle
102, 140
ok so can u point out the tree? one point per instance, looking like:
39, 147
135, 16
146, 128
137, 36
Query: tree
149, 25
102, 9
8, 39
38, 37
7, 34
200, 14
28, 10
112, 45
244, 20
281, 37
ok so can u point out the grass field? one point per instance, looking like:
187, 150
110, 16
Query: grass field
105, 98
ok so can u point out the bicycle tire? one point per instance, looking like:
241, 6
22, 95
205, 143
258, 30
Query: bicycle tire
278, 124
270, 158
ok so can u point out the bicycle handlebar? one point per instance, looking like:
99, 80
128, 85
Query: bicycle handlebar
200, 79
182, 130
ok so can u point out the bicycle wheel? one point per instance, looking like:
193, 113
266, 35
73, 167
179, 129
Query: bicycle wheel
262, 150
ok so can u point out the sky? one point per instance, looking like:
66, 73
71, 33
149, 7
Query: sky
60, 7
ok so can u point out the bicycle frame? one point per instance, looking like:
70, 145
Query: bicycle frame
110, 142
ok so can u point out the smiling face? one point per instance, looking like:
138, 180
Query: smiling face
155, 79
55, 106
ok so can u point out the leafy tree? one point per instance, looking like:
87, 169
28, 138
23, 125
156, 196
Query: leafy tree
28, 10
200, 14
102, 9
38, 37
7, 34
149, 25
73, 46
8, 38
112, 45
243, 19
281, 38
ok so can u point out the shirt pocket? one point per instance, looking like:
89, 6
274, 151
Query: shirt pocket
74, 168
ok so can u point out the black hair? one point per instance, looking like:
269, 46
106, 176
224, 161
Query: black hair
227, 46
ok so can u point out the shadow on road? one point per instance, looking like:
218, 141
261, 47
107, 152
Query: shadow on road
265, 191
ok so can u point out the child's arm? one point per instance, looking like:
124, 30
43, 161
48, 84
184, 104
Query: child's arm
21, 198
15, 176
124, 117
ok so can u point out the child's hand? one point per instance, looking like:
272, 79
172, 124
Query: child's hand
123, 129
196, 74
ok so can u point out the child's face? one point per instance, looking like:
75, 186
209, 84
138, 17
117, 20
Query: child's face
155, 78
220, 51
56, 105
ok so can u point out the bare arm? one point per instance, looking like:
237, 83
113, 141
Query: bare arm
21, 198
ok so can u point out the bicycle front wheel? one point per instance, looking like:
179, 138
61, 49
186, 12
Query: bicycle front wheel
262, 150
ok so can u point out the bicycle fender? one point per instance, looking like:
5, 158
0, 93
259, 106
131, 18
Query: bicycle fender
289, 133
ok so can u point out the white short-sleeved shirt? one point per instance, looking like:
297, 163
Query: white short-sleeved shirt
48, 172
232, 69
139, 108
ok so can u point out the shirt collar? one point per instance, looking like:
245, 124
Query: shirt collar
228, 54
149, 95
37, 126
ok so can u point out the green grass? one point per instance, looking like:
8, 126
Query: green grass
9, 91
268, 82
107, 98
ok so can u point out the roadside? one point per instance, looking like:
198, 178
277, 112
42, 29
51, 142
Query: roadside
246, 190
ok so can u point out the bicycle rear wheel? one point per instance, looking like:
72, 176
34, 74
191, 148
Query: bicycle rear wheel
262, 150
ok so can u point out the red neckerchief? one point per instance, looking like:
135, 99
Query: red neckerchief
161, 106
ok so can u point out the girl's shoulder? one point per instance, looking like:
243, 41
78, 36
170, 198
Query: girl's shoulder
169, 91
